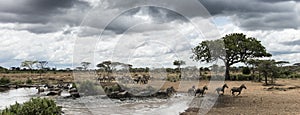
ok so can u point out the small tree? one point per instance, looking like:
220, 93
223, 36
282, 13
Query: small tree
28, 64
178, 63
269, 69
85, 65
41, 65
105, 65
246, 70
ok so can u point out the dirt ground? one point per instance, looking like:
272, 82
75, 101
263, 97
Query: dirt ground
258, 99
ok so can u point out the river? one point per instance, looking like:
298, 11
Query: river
101, 105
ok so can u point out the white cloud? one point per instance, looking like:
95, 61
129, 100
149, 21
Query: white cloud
18, 46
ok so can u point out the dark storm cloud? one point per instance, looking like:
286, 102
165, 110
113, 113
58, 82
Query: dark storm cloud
245, 6
274, 1
248, 14
34, 9
158, 15
257, 14
41, 7
51, 13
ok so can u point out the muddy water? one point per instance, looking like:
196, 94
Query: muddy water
12, 96
101, 105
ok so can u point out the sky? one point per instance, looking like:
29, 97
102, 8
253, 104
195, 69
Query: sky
140, 32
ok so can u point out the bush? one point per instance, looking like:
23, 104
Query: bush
295, 76
88, 88
246, 70
241, 77
18, 82
28, 81
36, 106
4, 81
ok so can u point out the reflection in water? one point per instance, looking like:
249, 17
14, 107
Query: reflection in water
95, 105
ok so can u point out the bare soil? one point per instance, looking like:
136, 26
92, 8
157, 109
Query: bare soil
258, 99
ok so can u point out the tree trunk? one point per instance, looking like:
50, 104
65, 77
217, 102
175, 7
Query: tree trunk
266, 78
227, 76
200, 73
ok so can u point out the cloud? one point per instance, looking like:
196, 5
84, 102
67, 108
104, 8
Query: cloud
282, 44
23, 45
143, 36
291, 43
256, 14
42, 16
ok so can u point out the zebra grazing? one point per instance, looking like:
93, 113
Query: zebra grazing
221, 89
238, 89
201, 91
191, 91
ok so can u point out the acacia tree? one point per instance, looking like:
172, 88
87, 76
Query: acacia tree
281, 63
28, 64
254, 63
233, 48
109, 66
42, 66
85, 65
105, 65
269, 69
178, 63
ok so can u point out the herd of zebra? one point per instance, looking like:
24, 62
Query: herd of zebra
138, 79
219, 90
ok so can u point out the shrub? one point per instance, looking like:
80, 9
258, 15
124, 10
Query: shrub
88, 88
18, 82
4, 81
35, 106
295, 76
246, 70
28, 81
241, 77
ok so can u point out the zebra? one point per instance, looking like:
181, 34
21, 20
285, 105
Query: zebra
238, 89
192, 90
221, 89
201, 91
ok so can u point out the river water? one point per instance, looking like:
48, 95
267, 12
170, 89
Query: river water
101, 105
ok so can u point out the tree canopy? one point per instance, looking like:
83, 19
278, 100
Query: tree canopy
178, 63
85, 65
232, 49
109, 65
28, 64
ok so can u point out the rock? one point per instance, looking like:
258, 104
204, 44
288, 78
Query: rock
53, 93
75, 94
73, 90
